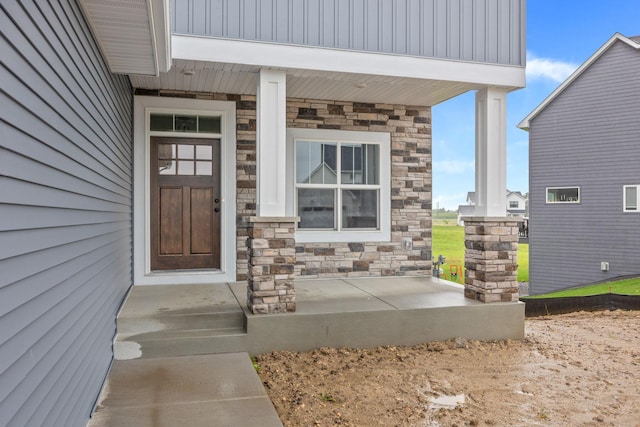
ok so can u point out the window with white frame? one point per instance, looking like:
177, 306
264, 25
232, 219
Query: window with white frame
563, 194
513, 204
340, 184
631, 194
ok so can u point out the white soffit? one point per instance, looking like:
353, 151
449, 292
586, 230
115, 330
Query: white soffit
195, 76
133, 34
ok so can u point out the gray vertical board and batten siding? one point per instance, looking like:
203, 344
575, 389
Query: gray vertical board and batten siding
488, 31
65, 213
589, 136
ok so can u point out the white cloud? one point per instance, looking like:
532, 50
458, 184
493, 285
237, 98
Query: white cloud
545, 68
453, 167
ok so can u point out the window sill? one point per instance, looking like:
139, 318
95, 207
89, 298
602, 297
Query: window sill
342, 237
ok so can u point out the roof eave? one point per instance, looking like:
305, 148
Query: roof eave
525, 123
134, 36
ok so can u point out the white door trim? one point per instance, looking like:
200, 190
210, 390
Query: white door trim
143, 106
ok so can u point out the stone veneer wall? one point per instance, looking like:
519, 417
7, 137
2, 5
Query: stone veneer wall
411, 179
410, 130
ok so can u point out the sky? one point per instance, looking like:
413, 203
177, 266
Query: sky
561, 35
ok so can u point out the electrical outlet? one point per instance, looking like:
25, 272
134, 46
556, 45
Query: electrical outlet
407, 243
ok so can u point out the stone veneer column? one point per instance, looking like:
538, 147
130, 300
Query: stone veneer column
272, 257
491, 258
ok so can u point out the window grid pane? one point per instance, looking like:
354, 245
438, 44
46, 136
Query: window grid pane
360, 209
316, 208
631, 198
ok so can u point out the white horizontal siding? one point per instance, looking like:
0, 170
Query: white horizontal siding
490, 31
65, 205
588, 137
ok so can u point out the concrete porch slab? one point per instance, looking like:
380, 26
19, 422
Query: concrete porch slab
370, 312
220, 390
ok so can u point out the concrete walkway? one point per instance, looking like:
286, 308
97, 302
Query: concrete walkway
194, 391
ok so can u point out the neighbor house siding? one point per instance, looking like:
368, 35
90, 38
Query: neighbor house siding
589, 136
65, 209
490, 31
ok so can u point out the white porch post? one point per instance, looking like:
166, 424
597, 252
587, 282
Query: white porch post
491, 152
491, 239
271, 143
271, 235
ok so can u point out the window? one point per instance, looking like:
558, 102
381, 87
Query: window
563, 195
194, 123
340, 184
630, 198
513, 204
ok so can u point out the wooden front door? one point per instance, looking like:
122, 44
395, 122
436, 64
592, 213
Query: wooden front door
185, 203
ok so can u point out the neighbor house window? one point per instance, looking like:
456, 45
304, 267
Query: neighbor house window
631, 194
563, 195
513, 204
340, 184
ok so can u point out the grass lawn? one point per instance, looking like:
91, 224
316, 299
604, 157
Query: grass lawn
622, 287
448, 240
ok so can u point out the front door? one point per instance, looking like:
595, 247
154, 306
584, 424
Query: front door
185, 203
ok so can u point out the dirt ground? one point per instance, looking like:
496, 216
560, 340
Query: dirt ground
579, 369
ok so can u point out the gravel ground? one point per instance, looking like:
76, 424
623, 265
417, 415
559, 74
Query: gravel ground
579, 369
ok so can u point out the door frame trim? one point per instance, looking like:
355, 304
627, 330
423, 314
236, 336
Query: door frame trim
143, 107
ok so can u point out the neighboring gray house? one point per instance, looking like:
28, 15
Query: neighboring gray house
138, 146
584, 174
516, 205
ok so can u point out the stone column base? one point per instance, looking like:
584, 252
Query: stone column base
272, 258
491, 258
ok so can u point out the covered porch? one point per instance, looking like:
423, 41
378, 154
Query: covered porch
181, 320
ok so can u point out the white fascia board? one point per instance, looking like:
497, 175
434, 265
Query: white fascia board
161, 33
281, 56
524, 124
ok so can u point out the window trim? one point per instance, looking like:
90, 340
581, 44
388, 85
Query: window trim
624, 198
382, 139
546, 195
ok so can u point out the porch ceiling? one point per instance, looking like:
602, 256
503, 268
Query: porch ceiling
201, 76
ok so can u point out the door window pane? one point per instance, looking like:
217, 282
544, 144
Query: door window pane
360, 208
316, 208
209, 124
161, 122
185, 151
166, 167
185, 167
203, 152
204, 168
186, 124
166, 151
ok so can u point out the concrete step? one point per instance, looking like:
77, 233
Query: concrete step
181, 320
130, 326
186, 343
